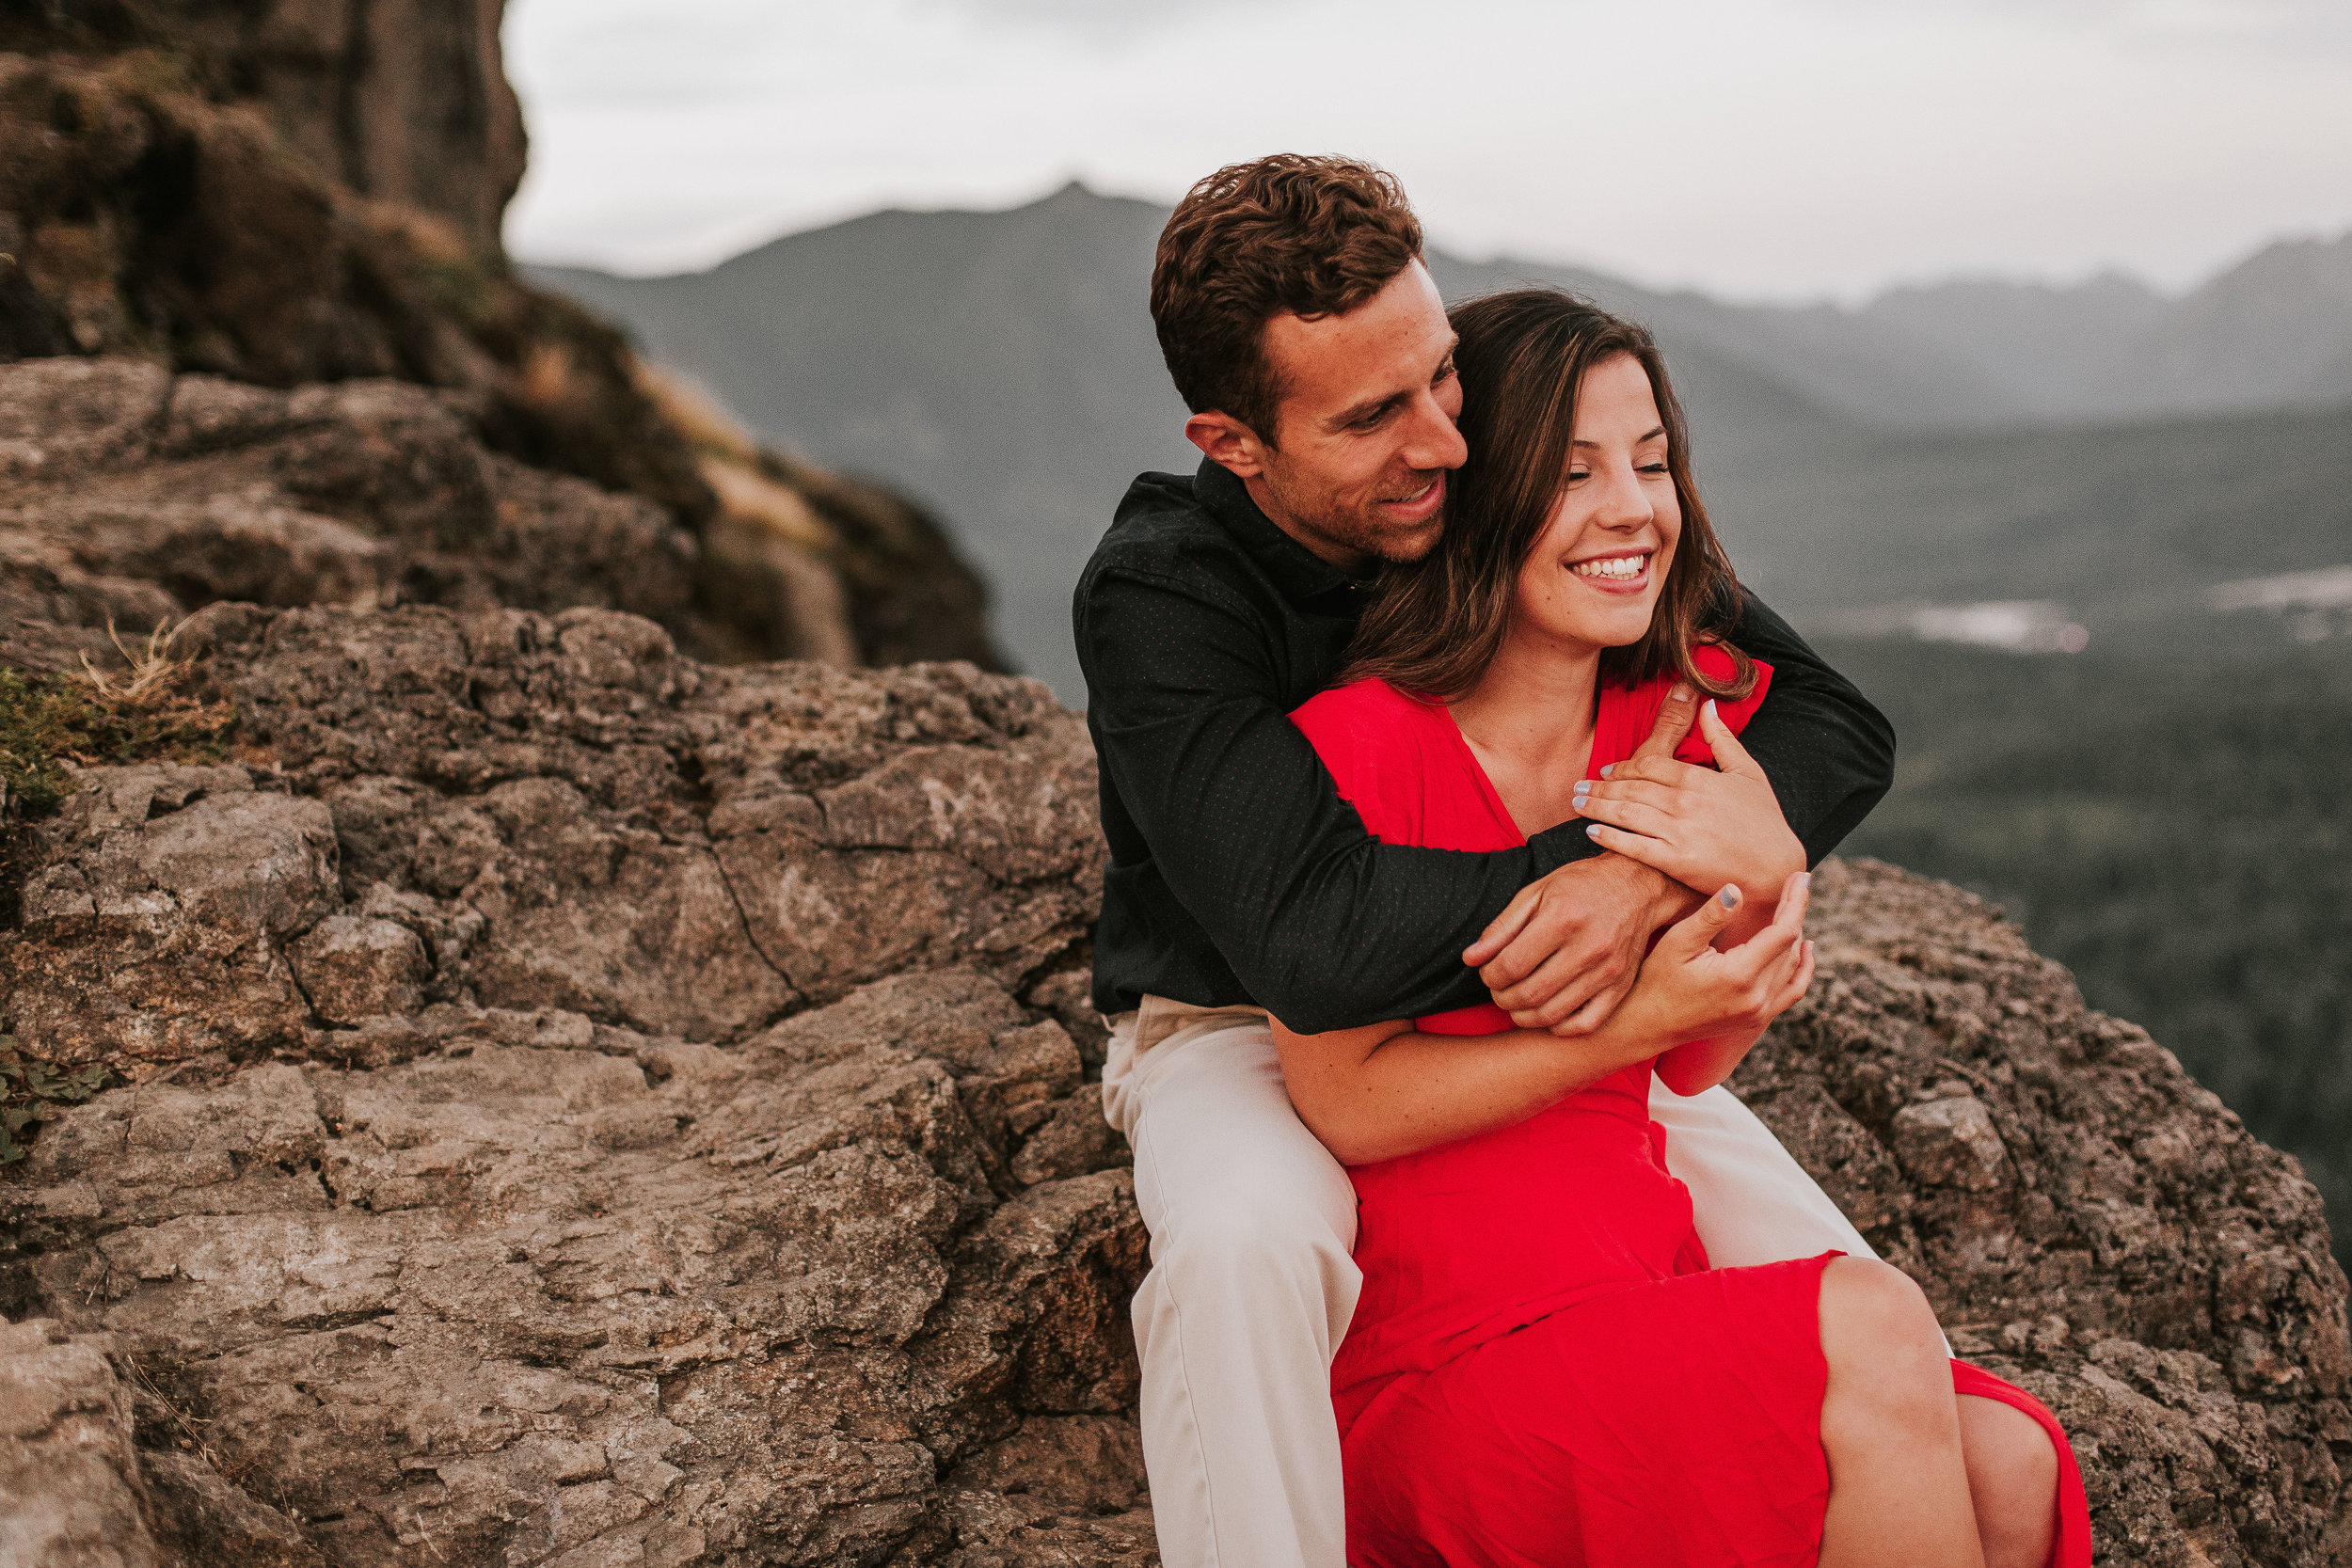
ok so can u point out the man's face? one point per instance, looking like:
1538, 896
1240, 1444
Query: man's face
1365, 426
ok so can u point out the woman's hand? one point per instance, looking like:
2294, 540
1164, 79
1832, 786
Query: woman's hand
1705, 1006
1701, 827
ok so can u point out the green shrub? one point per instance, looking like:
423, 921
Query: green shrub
32, 1092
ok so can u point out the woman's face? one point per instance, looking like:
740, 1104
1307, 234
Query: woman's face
1594, 575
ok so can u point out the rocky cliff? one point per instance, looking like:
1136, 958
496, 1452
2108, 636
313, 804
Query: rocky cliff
580, 1105
301, 194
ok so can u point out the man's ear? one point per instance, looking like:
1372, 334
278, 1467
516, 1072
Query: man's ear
1228, 442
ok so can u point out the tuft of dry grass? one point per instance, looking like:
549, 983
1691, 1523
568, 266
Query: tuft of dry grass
147, 674
137, 714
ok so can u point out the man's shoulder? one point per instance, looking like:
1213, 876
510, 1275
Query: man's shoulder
1164, 529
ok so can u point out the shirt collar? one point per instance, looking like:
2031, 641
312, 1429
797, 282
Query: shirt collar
1298, 571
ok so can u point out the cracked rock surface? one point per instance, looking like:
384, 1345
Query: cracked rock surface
132, 494
588, 1107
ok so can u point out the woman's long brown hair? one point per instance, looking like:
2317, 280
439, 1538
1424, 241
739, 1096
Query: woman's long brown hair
1435, 625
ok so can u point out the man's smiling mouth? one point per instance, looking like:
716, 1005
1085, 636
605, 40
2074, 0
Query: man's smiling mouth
1420, 501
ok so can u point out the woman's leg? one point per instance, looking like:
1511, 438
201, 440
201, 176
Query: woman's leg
2012, 1479
1890, 1425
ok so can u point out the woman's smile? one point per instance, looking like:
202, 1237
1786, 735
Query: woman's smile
1618, 572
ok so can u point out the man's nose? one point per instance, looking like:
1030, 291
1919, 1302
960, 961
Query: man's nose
1432, 441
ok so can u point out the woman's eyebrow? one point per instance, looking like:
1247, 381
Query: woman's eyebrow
1650, 434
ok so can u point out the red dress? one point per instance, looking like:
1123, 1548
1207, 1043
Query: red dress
1542, 1370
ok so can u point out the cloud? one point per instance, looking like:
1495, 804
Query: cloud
1100, 23
2276, 26
1768, 148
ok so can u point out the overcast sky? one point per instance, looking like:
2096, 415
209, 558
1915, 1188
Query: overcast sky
1780, 148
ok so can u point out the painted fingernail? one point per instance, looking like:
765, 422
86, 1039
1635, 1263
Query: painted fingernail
1605, 771
1592, 832
1708, 707
1730, 896
1681, 693
1583, 786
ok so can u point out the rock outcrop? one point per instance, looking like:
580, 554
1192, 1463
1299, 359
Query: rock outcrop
583, 1106
303, 196
131, 496
398, 100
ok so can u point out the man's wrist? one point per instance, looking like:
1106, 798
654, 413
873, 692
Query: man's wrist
1665, 899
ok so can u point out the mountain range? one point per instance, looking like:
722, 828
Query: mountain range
2095, 446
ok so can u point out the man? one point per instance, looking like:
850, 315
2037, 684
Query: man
1303, 331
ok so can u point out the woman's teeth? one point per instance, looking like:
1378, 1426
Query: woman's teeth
1619, 566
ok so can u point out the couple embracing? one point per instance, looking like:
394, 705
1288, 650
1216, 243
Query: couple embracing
1459, 803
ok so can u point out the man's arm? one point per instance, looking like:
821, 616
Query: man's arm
1325, 925
1830, 755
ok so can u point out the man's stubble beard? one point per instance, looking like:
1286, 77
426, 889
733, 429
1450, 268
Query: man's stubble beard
1356, 529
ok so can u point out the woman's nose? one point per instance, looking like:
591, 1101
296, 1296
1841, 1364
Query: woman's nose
1625, 502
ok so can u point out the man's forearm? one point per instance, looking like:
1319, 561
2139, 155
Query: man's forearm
1829, 754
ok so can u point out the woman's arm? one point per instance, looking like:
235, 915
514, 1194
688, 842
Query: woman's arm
1697, 1065
1387, 1090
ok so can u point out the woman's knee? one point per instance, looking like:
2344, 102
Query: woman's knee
2008, 1451
1877, 1321
2012, 1480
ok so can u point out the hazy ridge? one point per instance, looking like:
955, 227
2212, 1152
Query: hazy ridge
1969, 441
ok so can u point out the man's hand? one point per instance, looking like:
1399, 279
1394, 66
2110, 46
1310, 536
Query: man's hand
1563, 953
1698, 826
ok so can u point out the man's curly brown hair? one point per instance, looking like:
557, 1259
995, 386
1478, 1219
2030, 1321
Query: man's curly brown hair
1286, 234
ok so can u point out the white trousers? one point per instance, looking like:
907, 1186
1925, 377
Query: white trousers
1252, 1283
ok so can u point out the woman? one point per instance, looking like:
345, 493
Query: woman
1543, 1367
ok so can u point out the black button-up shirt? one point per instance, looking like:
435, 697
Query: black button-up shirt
1237, 874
